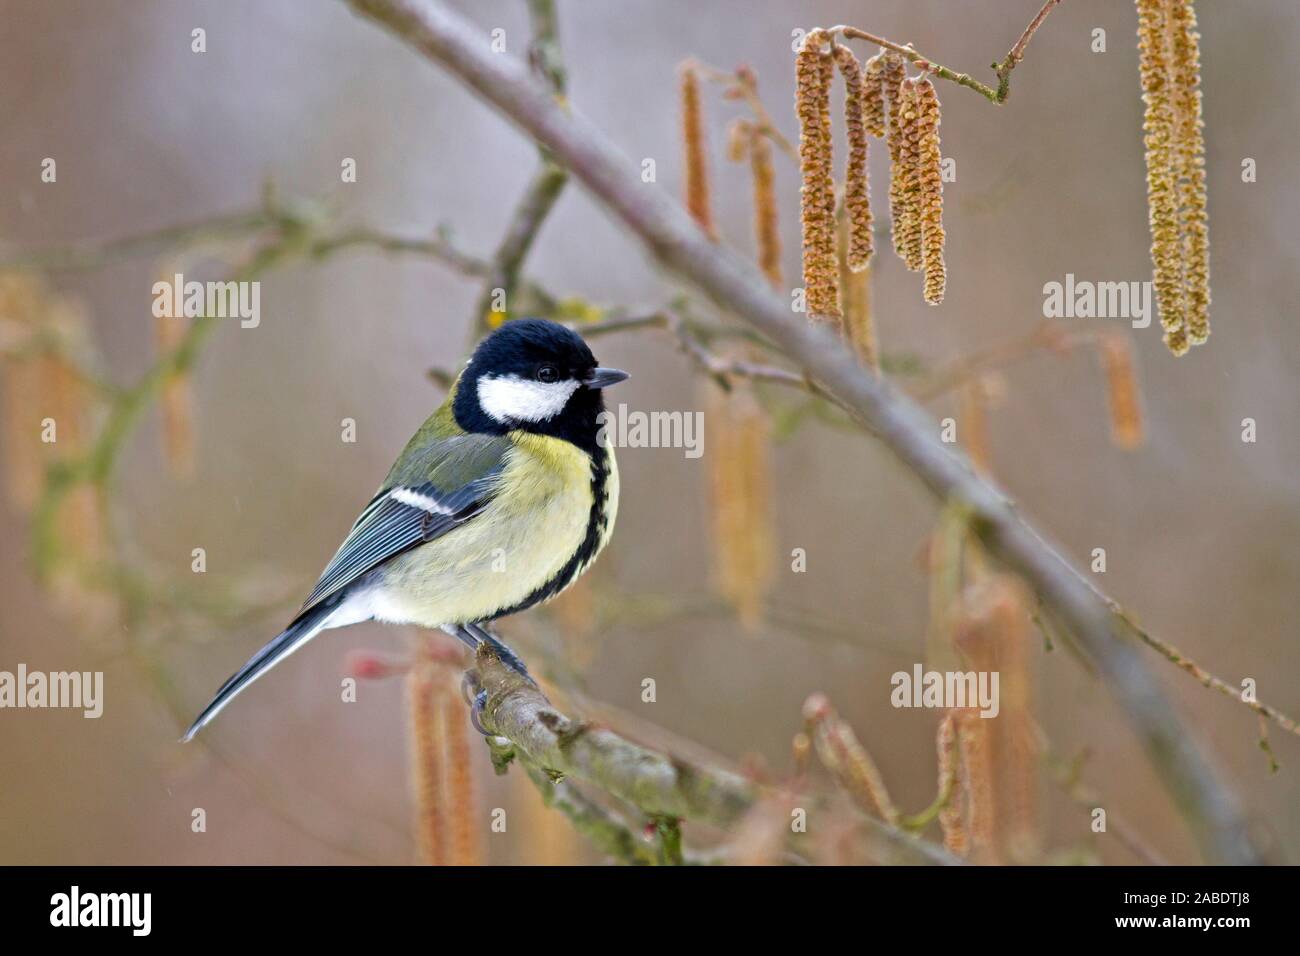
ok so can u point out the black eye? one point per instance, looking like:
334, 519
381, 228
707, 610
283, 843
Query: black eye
548, 374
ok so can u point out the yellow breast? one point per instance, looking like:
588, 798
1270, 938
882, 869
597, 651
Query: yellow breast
529, 533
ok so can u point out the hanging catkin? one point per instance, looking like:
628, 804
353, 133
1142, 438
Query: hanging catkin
1158, 128
427, 722
952, 818
974, 734
814, 70
1121, 391
873, 95
893, 73
463, 843
1190, 156
698, 201
856, 288
857, 198
910, 132
740, 496
766, 226
931, 191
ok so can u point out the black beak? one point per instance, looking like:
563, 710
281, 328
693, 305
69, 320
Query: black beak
604, 377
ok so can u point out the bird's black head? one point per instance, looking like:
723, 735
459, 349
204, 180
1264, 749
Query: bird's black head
537, 376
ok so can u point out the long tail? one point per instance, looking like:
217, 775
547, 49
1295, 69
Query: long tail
303, 629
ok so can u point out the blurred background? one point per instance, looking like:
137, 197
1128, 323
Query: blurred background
1201, 530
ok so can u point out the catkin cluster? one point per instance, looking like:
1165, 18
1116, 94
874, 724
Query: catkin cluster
906, 112
1169, 47
814, 70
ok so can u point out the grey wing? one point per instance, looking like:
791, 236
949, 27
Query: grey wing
404, 516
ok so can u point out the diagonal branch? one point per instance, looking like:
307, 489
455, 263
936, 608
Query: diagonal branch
448, 39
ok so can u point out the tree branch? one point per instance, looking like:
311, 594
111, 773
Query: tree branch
654, 783
736, 285
542, 192
657, 784
1002, 70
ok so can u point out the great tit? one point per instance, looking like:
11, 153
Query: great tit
499, 502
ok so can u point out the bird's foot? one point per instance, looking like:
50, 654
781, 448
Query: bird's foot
501, 649
476, 697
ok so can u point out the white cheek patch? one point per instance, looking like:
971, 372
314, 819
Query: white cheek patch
509, 398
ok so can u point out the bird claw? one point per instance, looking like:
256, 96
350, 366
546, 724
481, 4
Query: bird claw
476, 697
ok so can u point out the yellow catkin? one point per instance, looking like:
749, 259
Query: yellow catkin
930, 201
893, 74
857, 193
177, 400
873, 95
1122, 393
766, 225
740, 501
1158, 127
909, 231
847, 759
952, 817
858, 325
992, 634
698, 200
1190, 156
428, 760
814, 70
463, 841
974, 734
738, 134
1017, 738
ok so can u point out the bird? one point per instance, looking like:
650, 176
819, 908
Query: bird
501, 500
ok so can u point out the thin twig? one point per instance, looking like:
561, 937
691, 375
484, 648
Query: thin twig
1045, 336
744, 85
86, 255
543, 190
1179, 659
1002, 69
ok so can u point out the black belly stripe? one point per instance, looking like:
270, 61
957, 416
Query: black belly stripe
596, 524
